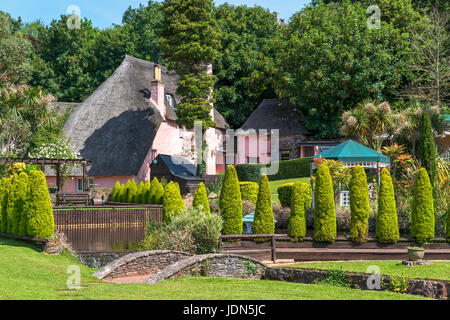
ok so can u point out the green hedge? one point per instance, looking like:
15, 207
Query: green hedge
324, 210
21, 195
296, 168
39, 207
359, 205
285, 194
249, 191
301, 199
115, 192
230, 203
263, 222
386, 228
422, 217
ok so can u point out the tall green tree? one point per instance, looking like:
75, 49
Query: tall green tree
243, 68
300, 200
330, 60
172, 202
201, 199
20, 215
426, 149
189, 43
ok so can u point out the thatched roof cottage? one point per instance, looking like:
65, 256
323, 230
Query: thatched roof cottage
131, 119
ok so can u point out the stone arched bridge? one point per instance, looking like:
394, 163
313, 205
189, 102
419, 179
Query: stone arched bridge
153, 266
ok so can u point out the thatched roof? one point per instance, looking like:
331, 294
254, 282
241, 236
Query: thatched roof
276, 114
116, 125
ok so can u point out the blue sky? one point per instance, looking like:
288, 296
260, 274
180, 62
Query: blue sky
104, 13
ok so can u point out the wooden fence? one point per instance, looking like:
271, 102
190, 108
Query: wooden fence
100, 228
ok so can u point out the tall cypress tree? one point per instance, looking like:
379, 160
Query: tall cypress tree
189, 42
21, 193
263, 222
324, 209
422, 217
230, 203
426, 149
387, 222
359, 205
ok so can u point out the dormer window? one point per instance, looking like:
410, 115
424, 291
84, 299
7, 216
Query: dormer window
171, 100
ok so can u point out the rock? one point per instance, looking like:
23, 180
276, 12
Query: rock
212, 195
416, 263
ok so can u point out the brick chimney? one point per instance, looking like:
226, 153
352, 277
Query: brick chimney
157, 92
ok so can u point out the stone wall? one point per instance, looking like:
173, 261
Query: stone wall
100, 259
290, 142
428, 288
140, 263
212, 265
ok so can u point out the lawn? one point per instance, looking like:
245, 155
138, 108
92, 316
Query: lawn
28, 274
437, 269
275, 184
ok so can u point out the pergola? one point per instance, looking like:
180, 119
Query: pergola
57, 162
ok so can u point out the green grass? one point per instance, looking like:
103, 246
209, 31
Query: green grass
28, 274
275, 184
437, 269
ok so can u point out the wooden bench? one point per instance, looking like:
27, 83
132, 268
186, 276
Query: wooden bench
73, 198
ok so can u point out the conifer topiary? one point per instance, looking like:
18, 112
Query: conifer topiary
301, 199
172, 202
285, 194
139, 193
263, 222
201, 199
230, 203
324, 209
156, 193
422, 217
152, 191
39, 207
131, 191
115, 192
249, 191
121, 194
3, 203
386, 229
359, 205
21, 194
145, 194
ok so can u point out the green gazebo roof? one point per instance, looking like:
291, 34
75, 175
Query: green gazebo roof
351, 151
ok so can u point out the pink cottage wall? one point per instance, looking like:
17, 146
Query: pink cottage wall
253, 146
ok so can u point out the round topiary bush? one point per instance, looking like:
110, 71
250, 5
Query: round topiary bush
263, 222
301, 199
172, 202
285, 194
324, 209
201, 199
359, 205
249, 191
230, 203
39, 207
386, 229
422, 217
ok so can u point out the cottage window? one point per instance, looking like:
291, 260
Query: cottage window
90, 184
285, 155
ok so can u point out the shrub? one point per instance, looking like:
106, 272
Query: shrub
230, 203
5, 183
387, 230
301, 199
39, 207
190, 231
10, 204
263, 222
115, 192
249, 191
426, 149
296, 168
156, 193
172, 202
324, 210
121, 193
359, 205
139, 193
145, 193
285, 194
201, 199
20, 216
448, 224
131, 191
422, 218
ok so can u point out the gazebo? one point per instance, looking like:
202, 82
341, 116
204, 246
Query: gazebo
353, 154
